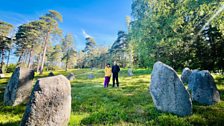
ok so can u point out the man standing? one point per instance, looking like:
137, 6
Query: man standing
115, 71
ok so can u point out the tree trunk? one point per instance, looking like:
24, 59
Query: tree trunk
26, 57
3, 56
2, 62
66, 64
8, 58
20, 57
44, 53
30, 56
38, 64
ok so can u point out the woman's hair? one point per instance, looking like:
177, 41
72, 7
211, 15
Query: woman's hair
108, 64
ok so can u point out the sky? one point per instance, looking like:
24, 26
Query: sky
101, 19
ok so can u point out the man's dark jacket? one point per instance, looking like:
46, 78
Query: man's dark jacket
115, 69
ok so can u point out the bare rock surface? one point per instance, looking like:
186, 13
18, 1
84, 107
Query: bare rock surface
50, 103
168, 92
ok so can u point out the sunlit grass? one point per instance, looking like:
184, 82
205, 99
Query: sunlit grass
128, 105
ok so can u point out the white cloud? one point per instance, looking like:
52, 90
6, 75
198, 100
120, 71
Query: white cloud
85, 34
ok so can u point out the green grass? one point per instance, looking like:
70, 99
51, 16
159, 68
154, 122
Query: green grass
129, 105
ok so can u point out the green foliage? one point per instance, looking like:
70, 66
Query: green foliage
56, 15
100, 56
4, 69
54, 57
69, 53
33, 38
171, 120
27, 38
5, 28
90, 45
10, 68
119, 50
89, 51
5, 41
176, 33
49, 28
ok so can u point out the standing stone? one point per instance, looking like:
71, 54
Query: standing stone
91, 76
19, 86
191, 79
168, 92
130, 72
203, 87
71, 77
185, 75
50, 103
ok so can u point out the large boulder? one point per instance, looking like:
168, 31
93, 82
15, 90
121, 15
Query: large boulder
203, 88
168, 92
185, 75
19, 86
71, 76
50, 103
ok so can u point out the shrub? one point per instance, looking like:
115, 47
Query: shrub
10, 68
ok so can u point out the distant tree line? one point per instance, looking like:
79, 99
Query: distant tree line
96, 56
33, 44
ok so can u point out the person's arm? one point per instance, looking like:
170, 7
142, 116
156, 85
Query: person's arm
105, 70
118, 69
112, 69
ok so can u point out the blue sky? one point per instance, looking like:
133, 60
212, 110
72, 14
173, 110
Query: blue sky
101, 19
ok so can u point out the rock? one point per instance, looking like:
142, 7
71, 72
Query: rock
50, 74
130, 72
50, 103
71, 76
190, 82
185, 75
90, 76
203, 87
19, 86
168, 92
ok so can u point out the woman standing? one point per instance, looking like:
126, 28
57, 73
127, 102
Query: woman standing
108, 72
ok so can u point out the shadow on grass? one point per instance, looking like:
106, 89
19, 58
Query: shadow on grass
212, 115
10, 109
11, 123
221, 92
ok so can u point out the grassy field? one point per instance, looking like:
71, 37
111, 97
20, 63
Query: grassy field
128, 105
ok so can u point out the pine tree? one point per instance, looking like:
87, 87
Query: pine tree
119, 49
51, 20
89, 51
68, 51
5, 41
